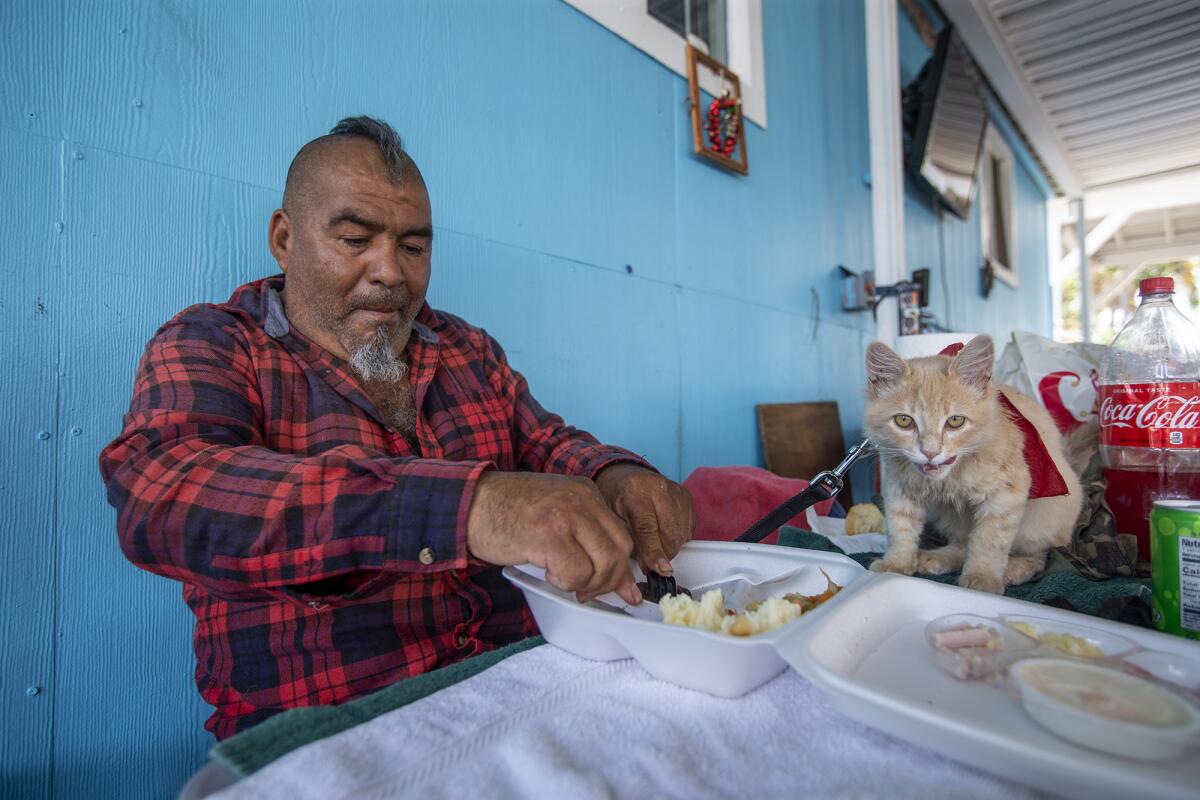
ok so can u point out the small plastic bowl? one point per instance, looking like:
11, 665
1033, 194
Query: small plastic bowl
1107, 645
1105, 709
1169, 668
976, 662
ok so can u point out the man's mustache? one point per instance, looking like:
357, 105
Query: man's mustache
391, 302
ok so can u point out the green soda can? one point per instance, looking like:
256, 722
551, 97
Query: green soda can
1175, 566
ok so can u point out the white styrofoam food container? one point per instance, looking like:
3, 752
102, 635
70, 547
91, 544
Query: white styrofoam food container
867, 650
870, 656
722, 665
1155, 724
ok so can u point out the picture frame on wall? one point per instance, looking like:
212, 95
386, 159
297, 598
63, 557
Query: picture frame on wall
719, 127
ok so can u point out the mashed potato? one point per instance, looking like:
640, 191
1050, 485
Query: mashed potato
1062, 642
710, 614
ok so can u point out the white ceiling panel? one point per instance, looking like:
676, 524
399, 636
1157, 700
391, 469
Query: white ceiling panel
1118, 80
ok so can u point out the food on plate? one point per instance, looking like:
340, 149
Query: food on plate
967, 636
808, 602
1062, 642
709, 612
1105, 709
973, 650
865, 518
1105, 693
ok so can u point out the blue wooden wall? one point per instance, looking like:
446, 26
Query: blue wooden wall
648, 296
951, 248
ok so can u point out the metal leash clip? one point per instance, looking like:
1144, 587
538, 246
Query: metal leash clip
824, 486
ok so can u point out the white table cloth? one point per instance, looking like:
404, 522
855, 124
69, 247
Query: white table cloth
545, 723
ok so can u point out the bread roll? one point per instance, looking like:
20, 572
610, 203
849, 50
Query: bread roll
864, 518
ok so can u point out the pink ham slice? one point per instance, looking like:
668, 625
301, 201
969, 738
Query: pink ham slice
958, 638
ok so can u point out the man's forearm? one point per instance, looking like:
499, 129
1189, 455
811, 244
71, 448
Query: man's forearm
243, 520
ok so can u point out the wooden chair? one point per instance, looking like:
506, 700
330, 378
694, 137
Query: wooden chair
801, 439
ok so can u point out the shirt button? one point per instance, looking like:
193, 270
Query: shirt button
425, 556
463, 641
316, 605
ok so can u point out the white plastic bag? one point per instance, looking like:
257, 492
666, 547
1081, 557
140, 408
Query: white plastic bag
834, 529
1062, 377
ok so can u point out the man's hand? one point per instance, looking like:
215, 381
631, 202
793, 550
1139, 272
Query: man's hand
555, 522
657, 512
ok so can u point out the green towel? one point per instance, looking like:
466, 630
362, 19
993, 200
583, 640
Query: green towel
253, 749
1059, 580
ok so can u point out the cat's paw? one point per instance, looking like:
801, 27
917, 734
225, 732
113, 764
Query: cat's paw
981, 582
1023, 568
902, 567
937, 564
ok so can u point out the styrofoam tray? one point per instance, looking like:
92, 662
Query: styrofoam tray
722, 665
869, 655
866, 650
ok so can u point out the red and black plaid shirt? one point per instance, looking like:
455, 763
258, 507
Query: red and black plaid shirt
322, 554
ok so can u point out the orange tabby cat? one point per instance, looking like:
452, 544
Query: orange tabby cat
954, 458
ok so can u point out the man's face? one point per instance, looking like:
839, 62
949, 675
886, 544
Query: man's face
355, 249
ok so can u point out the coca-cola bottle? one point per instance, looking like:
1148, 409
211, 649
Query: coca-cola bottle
1150, 411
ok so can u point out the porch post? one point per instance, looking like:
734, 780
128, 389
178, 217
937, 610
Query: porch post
1085, 276
887, 159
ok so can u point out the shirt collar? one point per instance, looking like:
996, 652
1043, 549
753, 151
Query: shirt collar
276, 322
426, 333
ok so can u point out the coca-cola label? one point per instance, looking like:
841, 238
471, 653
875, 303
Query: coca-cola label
1150, 414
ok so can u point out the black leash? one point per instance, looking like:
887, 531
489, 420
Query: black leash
823, 487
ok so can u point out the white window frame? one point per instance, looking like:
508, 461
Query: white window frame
997, 149
630, 20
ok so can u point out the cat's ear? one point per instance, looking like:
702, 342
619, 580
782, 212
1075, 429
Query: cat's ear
884, 368
973, 364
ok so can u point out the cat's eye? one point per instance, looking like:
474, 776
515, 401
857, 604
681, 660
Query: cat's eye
903, 421
956, 421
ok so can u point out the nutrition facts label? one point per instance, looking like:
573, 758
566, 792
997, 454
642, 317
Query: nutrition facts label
1189, 583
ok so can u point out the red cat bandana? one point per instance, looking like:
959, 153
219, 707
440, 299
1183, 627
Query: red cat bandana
1045, 479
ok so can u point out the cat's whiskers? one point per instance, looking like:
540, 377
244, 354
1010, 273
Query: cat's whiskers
971, 449
891, 450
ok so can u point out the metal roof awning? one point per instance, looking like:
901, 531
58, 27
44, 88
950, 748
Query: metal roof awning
1106, 91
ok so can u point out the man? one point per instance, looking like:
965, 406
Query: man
335, 470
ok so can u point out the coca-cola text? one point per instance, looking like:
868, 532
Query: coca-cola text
1150, 414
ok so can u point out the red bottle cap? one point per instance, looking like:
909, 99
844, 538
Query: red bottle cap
1156, 285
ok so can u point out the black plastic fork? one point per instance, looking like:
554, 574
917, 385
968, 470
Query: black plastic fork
659, 586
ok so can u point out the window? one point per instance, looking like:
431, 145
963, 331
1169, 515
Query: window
707, 22
996, 209
728, 30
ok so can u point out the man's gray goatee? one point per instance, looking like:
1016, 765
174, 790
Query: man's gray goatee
376, 360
